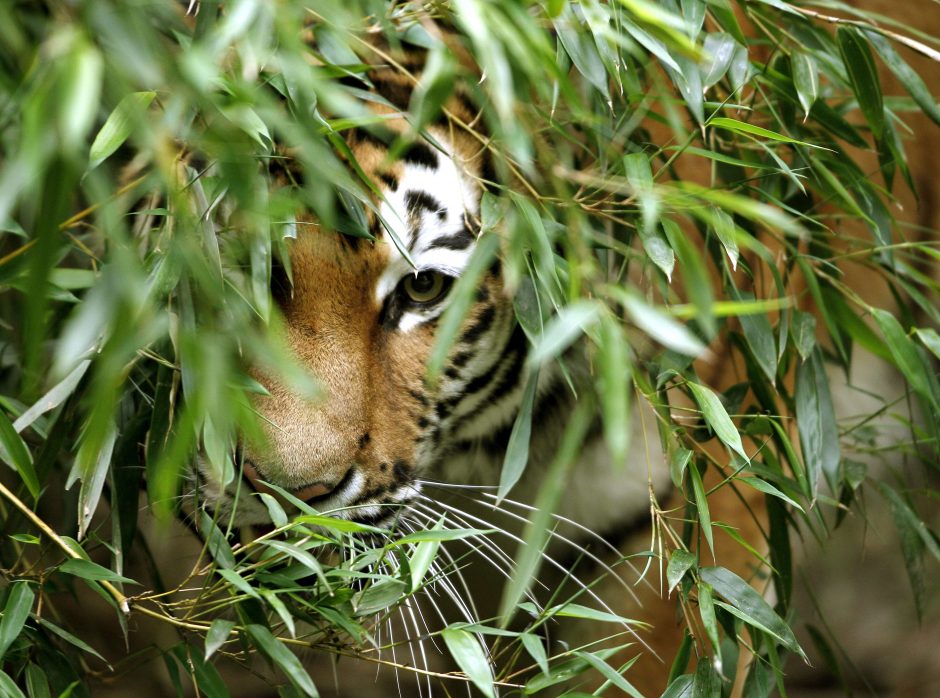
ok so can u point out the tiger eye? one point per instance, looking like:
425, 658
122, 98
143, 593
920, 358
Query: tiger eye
425, 287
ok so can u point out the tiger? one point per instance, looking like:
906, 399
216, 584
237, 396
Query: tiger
363, 316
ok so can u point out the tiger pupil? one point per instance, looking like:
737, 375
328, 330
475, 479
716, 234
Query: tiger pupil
423, 283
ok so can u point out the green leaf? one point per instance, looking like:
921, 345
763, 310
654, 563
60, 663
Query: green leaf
440, 535
563, 330
517, 450
332, 523
680, 562
471, 658
717, 418
678, 461
423, 556
86, 569
284, 658
912, 82
217, 635
863, 76
15, 454
707, 682
15, 612
37, 685
906, 356
576, 610
767, 488
759, 336
614, 375
701, 506
680, 687
71, 639
582, 50
53, 398
301, 556
803, 332
237, 581
118, 126
92, 464
537, 529
805, 79
720, 48
435, 86
274, 601
379, 597
25, 538
727, 232
905, 517
562, 671
460, 300
930, 339
661, 327
533, 645
615, 678
819, 434
8, 687
736, 126
706, 609
750, 605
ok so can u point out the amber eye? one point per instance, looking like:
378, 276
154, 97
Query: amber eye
425, 287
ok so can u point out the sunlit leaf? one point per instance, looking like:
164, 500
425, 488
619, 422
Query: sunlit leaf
470, 657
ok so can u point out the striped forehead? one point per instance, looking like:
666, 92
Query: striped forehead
430, 211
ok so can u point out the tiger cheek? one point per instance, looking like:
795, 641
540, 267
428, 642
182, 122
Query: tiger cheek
405, 402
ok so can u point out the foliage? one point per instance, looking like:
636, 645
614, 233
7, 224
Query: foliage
686, 174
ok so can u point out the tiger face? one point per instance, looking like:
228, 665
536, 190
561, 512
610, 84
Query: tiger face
362, 321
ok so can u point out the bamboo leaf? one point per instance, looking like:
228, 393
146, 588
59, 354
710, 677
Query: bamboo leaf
118, 126
471, 658
750, 606
218, 633
14, 453
284, 658
680, 562
819, 435
717, 418
517, 450
16, 610
860, 66
805, 80
86, 569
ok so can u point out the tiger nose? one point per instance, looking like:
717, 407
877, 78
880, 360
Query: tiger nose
305, 494
313, 491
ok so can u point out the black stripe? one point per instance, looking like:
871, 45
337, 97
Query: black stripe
420, 154
402, 470
378, 136
511, 378
483, 323
374, 493
397, 93
281, 289
508, 370
460, 359
415, 201
457, 241
467, 103
390, 180
392, 310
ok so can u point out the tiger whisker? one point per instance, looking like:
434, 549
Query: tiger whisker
501, 561
580, 548
584, 588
